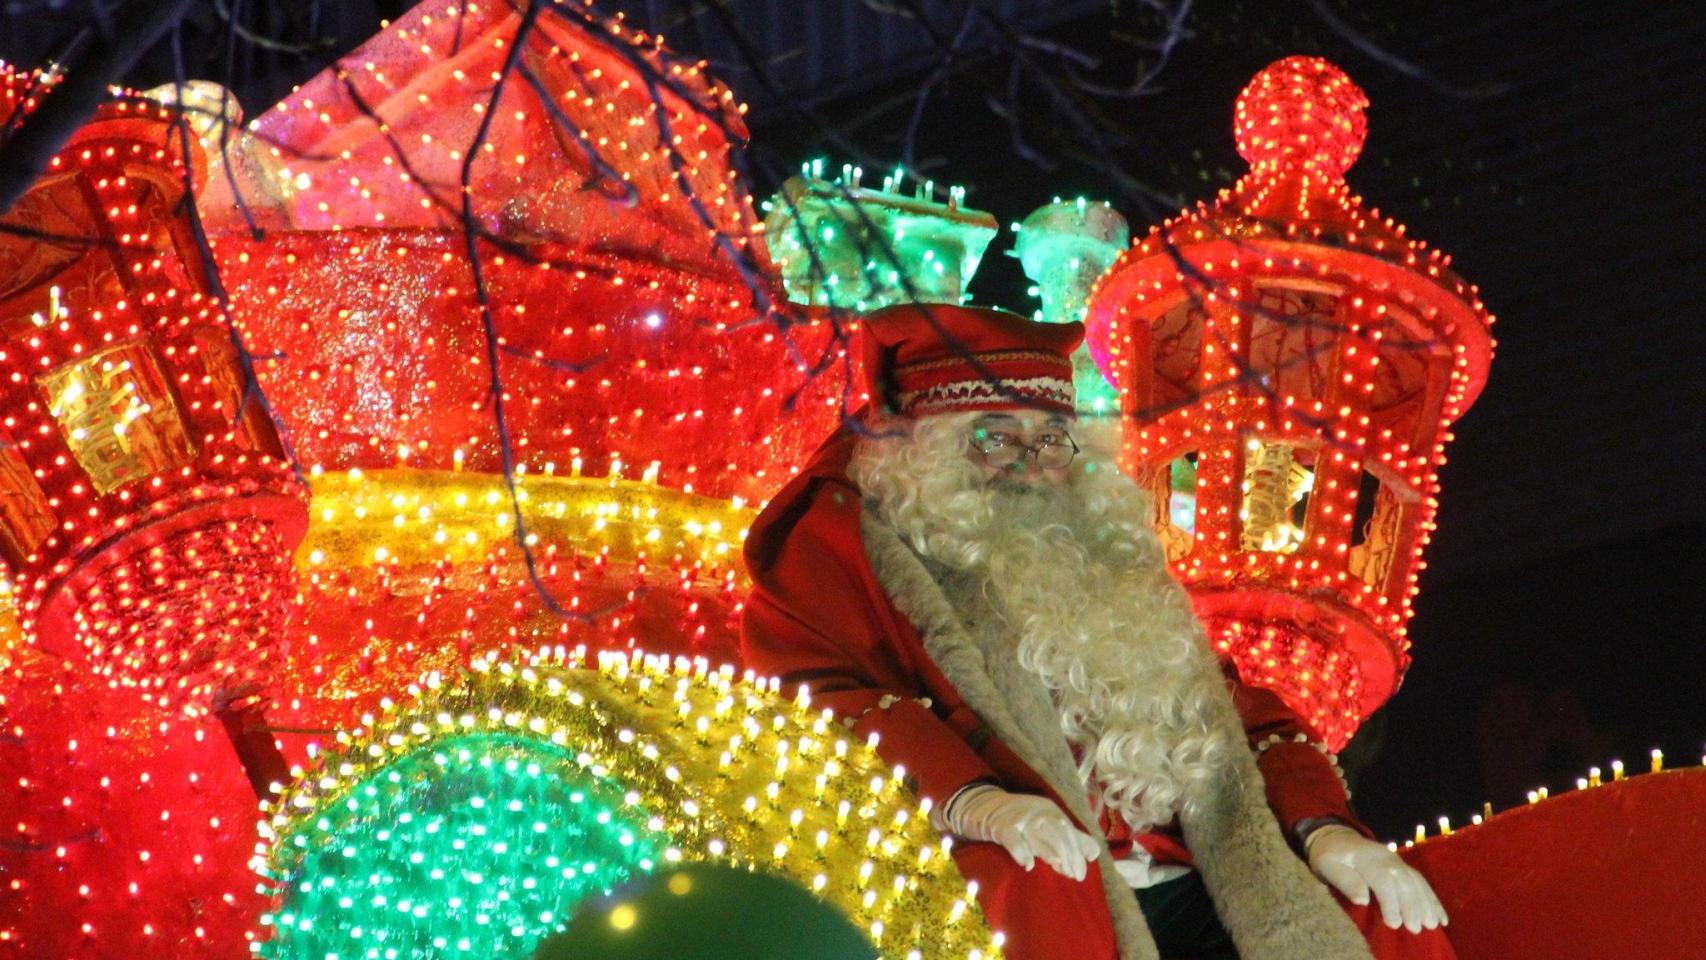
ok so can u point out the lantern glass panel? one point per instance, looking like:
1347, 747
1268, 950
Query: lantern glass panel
118, 415
1412, 355
26, 519
1277, 481
1178, 533
1177, 354
1379, 526
1294, 338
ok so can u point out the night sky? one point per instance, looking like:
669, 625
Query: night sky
1554, 148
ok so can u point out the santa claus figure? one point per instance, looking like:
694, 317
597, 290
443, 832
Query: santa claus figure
957, 574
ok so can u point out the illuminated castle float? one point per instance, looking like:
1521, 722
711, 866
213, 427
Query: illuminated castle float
526, 372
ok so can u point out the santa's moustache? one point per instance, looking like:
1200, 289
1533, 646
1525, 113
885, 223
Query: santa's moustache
1079, 577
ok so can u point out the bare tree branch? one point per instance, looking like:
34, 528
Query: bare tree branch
68, 104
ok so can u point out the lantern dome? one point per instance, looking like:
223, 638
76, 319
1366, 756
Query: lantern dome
1289, 362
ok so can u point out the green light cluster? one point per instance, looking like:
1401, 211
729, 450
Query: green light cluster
471, 846
842, 244
483, 812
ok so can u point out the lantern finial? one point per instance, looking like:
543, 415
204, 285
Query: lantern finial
1304, 112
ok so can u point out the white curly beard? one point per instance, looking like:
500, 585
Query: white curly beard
1079, 579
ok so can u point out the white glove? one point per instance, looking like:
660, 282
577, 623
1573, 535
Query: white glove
1354, 865
1029, 827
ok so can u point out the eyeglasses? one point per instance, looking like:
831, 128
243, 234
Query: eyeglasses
1052, 449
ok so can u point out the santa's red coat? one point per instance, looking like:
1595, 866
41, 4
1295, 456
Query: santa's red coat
817, 616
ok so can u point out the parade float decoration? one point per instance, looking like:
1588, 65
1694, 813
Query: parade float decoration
147, 511
1301, 360
371, 580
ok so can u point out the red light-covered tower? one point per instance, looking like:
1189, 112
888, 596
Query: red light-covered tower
1290, 363
147, 511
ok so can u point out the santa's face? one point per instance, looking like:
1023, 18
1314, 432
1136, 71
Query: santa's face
1022, 449
1065, 562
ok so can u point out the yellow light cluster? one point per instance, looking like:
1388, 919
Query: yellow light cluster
410, 517
730, 770
418, 518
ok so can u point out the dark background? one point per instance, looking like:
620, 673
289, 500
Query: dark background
1554, 148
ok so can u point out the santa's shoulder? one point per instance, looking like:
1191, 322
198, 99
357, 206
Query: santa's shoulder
813, 519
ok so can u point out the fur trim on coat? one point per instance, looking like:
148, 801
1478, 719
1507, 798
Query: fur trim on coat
1267, 899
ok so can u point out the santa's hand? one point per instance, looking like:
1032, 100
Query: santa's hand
1356, 865
1029, 827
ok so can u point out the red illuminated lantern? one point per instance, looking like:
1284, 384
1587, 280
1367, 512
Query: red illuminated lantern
1289, 363
147, 511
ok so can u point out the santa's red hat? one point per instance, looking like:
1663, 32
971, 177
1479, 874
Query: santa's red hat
927, 358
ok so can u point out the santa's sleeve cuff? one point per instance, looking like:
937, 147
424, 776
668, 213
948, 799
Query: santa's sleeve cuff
937, 761
1303, 782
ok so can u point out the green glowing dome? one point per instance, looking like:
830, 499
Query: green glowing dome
472, 846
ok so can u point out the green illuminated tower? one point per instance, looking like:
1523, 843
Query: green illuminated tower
839, 243
1064, 246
